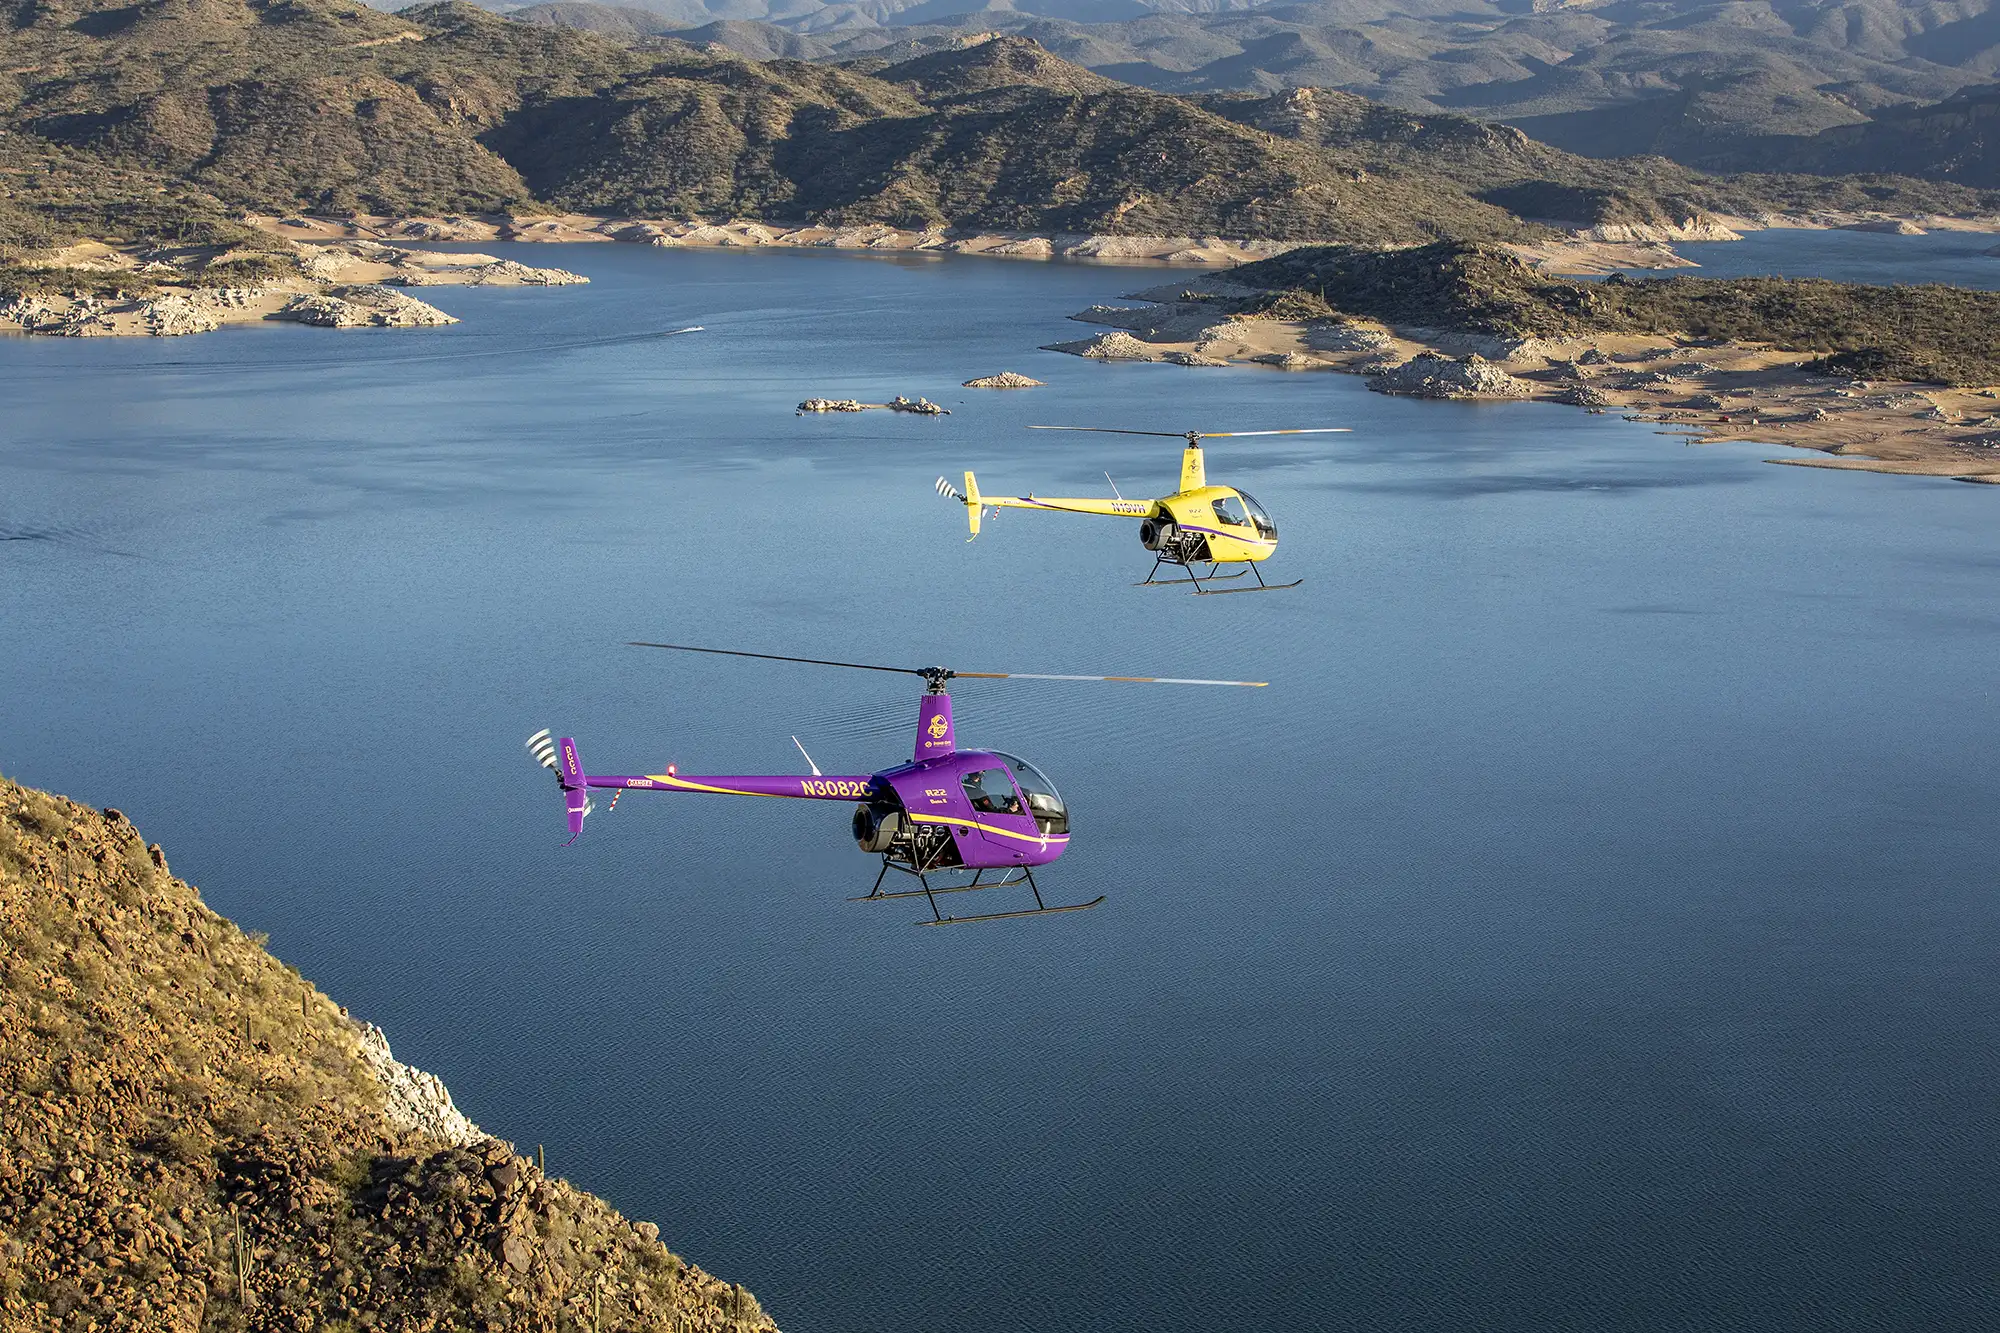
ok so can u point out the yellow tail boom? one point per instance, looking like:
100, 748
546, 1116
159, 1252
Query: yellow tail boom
975, 502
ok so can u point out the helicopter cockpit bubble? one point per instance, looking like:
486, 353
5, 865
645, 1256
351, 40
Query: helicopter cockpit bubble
1267, 527
1045, 803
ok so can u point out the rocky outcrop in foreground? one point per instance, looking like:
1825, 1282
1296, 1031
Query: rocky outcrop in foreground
371, 305
194, 1138
93, 290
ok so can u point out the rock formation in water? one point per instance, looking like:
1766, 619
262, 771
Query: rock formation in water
195, 1138
1006, 379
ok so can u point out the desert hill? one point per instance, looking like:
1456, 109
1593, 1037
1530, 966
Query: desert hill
1681, 78
164, 119
1954, 140
196, 1138
326, 105
1928, 334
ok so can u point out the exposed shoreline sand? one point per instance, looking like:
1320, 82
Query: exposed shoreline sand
1598, 249
1709, 390
347, 262
342, 284
740, 233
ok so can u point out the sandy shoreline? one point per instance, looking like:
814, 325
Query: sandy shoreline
342, 269
343, 284
741, 233
1598, 249
1709, 390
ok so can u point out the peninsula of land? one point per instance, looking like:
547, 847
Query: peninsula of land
197, 1138
1881, 379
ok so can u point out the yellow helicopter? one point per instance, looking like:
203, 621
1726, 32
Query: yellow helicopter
1199, 524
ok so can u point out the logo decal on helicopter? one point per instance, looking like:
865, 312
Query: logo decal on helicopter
938, 727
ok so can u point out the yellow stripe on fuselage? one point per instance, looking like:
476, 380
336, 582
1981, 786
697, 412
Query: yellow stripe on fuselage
682, 784
1037, 838
1063, 505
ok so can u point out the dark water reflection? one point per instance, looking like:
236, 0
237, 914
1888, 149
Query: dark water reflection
1592, 926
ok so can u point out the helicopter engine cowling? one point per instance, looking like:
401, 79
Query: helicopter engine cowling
1157, 533
877, 827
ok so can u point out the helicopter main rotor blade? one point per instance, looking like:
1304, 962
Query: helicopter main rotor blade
1204, 434
1126, 680
1305, 430
776, 657
1113, 430
942, 672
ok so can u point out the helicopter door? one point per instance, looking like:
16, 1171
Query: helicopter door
997, 805
1230, 514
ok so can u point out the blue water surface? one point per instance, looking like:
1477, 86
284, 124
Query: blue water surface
1957, 258
1591, 927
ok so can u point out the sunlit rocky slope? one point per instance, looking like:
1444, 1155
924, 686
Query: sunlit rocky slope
195, 1138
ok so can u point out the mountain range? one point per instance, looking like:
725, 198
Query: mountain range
129, 119
1701, 81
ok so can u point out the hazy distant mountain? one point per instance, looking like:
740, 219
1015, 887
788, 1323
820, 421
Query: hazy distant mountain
1691, 79
1954, 140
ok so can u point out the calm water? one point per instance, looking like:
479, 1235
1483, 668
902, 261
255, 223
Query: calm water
1955, 257
1592, 927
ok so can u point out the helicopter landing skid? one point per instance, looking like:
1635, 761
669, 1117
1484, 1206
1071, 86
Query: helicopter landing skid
931, 892
973, 887
1199, 579
1005, 916
1150, 582
1261, 587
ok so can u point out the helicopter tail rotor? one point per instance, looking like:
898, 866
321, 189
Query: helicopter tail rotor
560, 756
970, 499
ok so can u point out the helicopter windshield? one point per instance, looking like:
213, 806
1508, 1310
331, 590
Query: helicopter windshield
1267, 527
1044, 802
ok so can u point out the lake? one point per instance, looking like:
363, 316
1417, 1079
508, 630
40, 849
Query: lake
1591, 927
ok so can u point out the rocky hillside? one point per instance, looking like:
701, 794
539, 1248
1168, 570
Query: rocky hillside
1503, 165
326, 105
1954, 140
1681, 78
197, 1139
163, 120
1940, 335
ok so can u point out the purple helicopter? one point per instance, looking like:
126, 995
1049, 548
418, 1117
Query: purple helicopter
947, 810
